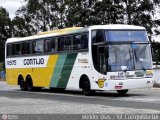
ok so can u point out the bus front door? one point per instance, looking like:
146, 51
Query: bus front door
102, 61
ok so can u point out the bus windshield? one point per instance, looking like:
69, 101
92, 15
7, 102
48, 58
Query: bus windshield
138, 36
129, 56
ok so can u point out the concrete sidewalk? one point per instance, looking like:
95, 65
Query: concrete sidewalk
6, 87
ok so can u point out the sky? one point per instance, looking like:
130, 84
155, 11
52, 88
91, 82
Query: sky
11, 6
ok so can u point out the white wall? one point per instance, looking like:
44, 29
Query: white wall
156, 75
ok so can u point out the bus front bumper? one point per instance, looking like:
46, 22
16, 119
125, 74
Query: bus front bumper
124, 84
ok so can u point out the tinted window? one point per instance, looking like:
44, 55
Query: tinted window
24, 48
50, 45
113, 36
77, 42
84, 41
38, 46
15, 49
18, 49
29, 47
68, 43
98, 36
61, 44
9, 49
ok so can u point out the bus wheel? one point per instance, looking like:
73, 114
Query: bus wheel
122, 92
86, 88
29, 83
22, 84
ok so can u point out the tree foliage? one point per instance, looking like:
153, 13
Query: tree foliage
5, 30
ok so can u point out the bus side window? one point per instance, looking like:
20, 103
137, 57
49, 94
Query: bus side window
9, 50
84, 41
38, 46
68, 43
12, 49
77, 42
50, 45
29, 48
61, 44
16, 49
24, 48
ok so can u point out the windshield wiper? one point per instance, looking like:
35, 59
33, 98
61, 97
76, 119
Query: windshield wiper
137, 59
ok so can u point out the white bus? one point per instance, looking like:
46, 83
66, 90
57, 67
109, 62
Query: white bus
95, 58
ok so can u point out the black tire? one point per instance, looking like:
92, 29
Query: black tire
29, 84
86, 88
22, 84
122, 92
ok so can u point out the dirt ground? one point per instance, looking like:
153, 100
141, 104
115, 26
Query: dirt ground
1, 79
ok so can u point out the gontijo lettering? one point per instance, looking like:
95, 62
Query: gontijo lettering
33, 61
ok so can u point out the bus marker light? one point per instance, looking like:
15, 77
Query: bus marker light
106, 84
118, 87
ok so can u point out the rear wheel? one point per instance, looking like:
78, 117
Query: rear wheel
86, 88
29, 84
122, 92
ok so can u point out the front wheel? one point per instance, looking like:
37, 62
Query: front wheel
86, 88
122, 92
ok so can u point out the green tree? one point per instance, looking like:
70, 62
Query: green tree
93, 12
5, 30
20, 28
138, 12
73, 13
108, 12
156, 51
42, 15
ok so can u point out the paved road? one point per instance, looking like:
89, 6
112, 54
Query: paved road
139, 101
